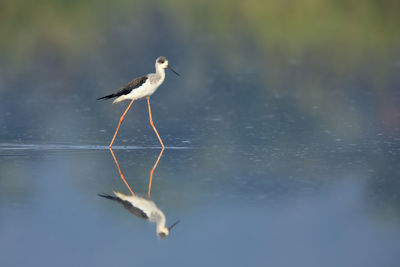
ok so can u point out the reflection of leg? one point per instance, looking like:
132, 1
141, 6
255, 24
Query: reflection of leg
162, 145
120, 121
120, 172
152, 171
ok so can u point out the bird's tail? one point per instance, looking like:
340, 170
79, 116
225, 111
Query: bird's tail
107, 97
109, 197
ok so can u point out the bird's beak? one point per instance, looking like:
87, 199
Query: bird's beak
172, 70
169, 228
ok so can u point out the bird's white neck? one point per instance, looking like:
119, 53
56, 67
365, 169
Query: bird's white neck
161, 224
160, 70
159, 76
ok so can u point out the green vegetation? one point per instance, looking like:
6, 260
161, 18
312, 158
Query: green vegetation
345, 28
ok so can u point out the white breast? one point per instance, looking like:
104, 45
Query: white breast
147, 89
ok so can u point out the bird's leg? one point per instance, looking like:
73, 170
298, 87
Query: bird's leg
120, 121
152, 124
162, 145
120, 172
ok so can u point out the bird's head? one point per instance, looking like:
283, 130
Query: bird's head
162, 62
163, 232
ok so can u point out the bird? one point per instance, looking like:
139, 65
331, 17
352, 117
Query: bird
143, 208
141, 87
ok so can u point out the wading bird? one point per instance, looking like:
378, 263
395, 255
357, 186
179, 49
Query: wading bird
141, 87
143, 208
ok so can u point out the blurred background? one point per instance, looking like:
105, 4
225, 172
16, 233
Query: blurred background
282, 132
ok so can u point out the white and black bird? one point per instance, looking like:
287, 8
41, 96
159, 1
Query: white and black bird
143, 208
141, 87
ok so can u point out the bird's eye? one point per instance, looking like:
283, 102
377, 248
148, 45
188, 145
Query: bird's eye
161, 61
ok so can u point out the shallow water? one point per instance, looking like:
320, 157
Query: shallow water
280, 152
325, 214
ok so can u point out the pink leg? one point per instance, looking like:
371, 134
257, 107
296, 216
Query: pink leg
119, 124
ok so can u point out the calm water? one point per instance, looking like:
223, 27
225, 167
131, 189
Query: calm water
282, 140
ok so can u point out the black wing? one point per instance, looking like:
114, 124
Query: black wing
126, 89
127, 205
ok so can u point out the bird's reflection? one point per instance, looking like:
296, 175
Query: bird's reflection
141, 207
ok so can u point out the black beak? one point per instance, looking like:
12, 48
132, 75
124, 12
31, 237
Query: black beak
172, 70
169, 228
